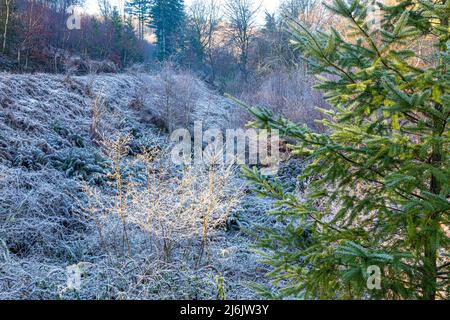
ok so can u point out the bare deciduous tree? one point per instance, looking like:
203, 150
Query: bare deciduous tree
311, 12
204, 18
105, 8
241, 16
8, 4
140, 10
294, 8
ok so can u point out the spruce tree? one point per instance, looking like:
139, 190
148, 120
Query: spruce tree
377, 182
139, 9
168, 19
270, 25
116, 35
130, 44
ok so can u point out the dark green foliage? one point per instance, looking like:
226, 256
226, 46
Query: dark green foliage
270, 25
379, 178
75, 139
34, 160
117, 25
125, 44
77, 161
81, 163
141, 10
168, 19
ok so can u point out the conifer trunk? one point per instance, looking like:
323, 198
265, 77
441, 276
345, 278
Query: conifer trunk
429, 281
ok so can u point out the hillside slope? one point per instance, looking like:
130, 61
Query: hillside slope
80, 186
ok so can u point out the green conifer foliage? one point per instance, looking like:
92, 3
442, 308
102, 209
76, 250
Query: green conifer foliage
168, 19
378, 192
139, 9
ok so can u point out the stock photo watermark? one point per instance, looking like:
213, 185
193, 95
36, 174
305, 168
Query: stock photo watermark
374, 278
73, 277
74, 20
374, 15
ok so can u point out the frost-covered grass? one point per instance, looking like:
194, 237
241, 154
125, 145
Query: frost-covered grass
85, 180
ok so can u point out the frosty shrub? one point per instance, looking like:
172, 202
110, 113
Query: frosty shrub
176, 94
177, 211
291, 95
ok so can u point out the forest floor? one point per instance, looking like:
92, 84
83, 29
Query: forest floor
79, 186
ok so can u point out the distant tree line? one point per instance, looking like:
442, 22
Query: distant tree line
35, 36
222, 41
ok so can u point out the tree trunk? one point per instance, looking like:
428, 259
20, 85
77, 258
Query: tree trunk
429, 280
430, 267
5, 33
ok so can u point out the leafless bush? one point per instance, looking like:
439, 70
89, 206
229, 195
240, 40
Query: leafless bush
176, 97
178, 211
84, 66
97, 110
290, 94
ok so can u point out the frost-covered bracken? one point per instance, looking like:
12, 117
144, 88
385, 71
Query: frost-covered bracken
85, 180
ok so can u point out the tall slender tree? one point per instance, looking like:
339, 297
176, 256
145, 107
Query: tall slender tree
168, 20
116, 29
5, 16
242, 18
141, 10
374, 219
296, 8
203, 22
